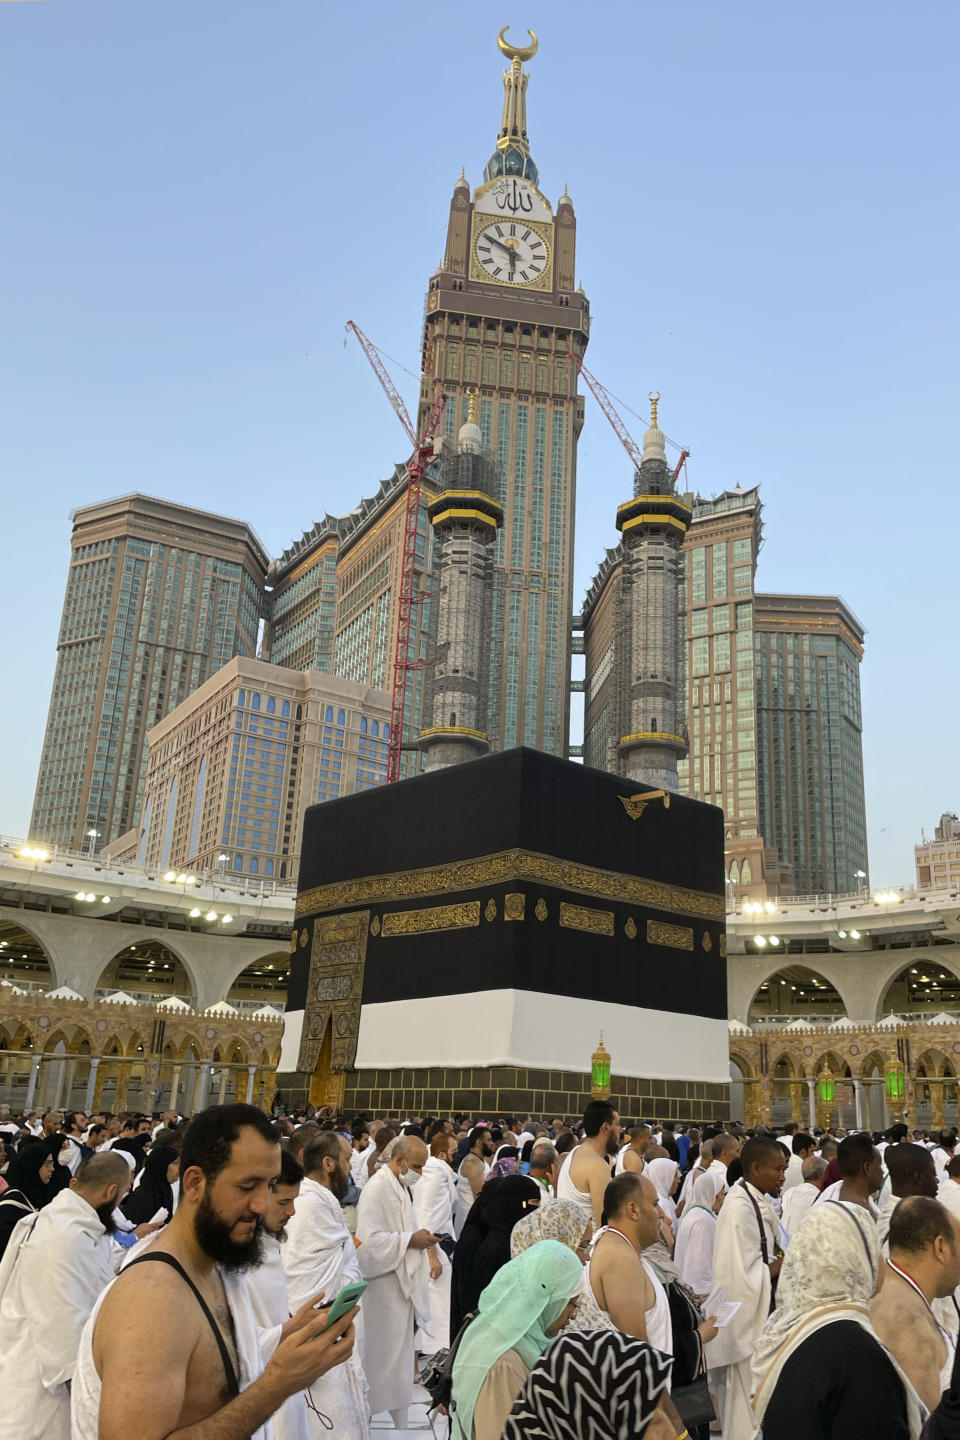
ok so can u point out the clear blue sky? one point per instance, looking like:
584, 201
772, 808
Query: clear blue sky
198, 194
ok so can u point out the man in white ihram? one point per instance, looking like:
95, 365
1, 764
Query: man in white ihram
54, 1267
392, 1260
319, 1255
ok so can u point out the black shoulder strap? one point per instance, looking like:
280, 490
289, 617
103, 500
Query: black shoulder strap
233, 1384
863, 1239
756, 1211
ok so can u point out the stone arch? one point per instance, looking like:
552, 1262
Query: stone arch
873, 1060
885, 977
142, 968
744, 1065
261, 980
785, 981
23, 963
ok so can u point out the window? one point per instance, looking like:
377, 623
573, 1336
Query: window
284, 707
268, 867
700, 622
328, 715
254, 865
721, 617
271, 705
699, 577
242, 698
375, 728
341, 717
255, 702
238, 862
363, 724
720, 570
742, 580
701, 656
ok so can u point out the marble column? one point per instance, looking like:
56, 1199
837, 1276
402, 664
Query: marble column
92, 1084
32, 1082
858, 1103
811, 1102
200, 1089
224, 1077
120, 1095
251, 1077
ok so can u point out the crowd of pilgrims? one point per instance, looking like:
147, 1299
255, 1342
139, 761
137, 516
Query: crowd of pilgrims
542, 1280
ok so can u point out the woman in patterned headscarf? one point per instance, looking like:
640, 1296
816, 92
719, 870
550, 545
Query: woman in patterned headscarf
819, 1369
563, 1220
606, 1385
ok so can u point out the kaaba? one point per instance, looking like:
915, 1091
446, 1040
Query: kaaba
464, 937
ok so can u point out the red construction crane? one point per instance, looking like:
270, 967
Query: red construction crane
423, 451
602, 396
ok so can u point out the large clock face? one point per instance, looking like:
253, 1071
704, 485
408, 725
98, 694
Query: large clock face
512, 253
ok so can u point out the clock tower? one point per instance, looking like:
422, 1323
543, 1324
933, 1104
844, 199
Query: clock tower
502, 317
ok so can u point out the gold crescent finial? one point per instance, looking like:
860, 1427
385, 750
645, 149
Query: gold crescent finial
517, 52
654, 398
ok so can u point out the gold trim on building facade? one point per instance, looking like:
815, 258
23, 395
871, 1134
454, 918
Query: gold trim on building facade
678, 937
506, 867
581, 917
431, 918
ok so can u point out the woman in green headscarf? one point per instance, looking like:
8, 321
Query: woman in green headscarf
525, 1304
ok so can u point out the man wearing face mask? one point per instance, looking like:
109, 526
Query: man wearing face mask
319, 1254
392, 1260
55, 1266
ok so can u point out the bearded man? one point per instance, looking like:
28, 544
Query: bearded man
585, 1176
319, 1254
54, 1268
175, 1346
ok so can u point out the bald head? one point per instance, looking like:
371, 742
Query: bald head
912, 1170
107, 1167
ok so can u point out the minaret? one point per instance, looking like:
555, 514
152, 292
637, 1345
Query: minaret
465, 517
653, 525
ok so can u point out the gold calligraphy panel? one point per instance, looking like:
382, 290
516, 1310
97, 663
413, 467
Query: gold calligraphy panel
334, 990
581, 917
431, 919
508, 867
678, 937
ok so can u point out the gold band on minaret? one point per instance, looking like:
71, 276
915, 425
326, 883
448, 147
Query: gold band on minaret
471, 406
654, 398
514, 127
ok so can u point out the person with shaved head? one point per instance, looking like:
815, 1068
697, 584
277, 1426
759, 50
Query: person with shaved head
53, 1270
392, 1261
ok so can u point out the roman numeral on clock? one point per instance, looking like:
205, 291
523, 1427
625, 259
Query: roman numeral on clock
537, 245
498, 230
524, 275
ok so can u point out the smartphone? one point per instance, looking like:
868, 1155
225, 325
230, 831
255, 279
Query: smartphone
345, 1301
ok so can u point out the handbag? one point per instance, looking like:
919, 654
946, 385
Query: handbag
693, 1402
436, 1373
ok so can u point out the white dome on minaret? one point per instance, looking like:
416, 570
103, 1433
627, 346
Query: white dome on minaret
654, 441
470, 438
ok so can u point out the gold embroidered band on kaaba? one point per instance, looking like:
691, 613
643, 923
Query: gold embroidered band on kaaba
505, 868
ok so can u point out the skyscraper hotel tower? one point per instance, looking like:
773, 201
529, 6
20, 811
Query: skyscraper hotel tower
503, 314
159, 596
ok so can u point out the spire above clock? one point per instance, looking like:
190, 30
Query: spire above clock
512, 155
